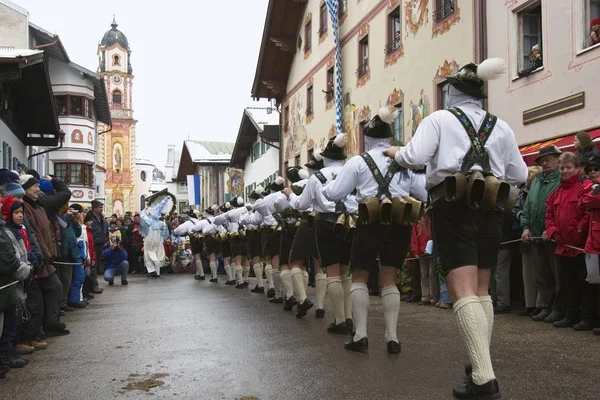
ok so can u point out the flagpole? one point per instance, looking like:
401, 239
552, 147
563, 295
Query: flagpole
333, 7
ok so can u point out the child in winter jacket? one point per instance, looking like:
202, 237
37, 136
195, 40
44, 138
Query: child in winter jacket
421, 235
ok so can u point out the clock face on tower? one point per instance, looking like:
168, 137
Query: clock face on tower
116, 80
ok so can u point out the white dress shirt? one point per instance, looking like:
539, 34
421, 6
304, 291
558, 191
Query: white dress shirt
312, 195
201, 226
441, 144
357, 175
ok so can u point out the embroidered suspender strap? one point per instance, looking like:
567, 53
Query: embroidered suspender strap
382, 181
477, 154
321, 177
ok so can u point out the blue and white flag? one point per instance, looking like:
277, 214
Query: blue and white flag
333, 6
194, 192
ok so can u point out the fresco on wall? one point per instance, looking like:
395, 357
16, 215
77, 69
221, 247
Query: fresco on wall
235, 184
417, 14
297, 135
418, 110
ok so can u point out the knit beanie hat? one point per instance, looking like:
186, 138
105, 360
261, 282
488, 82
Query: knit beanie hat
28, 181
46, 186
9, 205
33, 173
7, 176
13, 189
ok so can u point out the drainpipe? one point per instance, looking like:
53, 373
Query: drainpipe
482, 38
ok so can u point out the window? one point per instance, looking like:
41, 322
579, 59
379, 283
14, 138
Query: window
255, 152
330, 88
61, 104
398, 125
116, 60
76, 105
297, 160
182, 187
361, 137
530, 33
286, 118
307, 38
5, 155
75, 174
310, 154
342, 8
592, 11
142, 202
363, 54
87, 108
443, 96
323, 19
394, 32
117, 97
143, 176
443, 9
309, 100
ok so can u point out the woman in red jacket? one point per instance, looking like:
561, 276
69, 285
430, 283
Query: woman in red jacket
567, 225
589, 198
421, 234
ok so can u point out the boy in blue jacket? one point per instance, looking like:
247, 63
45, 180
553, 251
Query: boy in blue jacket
115, 262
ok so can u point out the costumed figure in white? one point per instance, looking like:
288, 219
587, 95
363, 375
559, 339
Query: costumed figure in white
154, 231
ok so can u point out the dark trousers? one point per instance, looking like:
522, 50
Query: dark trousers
134, 253
10, 329
51, 289
32, 329
545, 270
98, 269
572, 273
65, 274
415, 280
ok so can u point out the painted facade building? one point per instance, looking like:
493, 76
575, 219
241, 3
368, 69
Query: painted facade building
28, 119
556, 97
395, 53
116, 153
218, 182
256, 152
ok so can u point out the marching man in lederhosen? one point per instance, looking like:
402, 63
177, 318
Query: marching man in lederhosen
375, 178
453, 143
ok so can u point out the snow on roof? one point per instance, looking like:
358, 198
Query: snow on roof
10, 52
201, 151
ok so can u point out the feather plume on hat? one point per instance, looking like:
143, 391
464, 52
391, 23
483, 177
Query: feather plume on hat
279, 180
317, 154
340, 140
386, 116
491, 69
303, 174
259, 190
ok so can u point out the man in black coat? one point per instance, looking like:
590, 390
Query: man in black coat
100, 235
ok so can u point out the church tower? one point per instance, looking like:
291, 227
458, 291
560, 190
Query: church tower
116, 149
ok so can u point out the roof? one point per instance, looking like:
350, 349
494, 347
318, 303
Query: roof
51, 43
277, 49
15, 7
202, 153
113, 36
246, 137
31, 114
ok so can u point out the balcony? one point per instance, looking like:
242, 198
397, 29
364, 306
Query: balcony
363, 69
446, 9
393, 46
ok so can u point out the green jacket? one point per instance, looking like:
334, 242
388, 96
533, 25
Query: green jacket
533, 216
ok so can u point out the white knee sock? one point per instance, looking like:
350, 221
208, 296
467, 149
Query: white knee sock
359, 292
321, 286
298, 279
238, 274
276, 276
213, 269
258, 270
228, 272
473, 327
246, 270
390, 297
488, 309
199, 267
288, 284
305, 274
269, 274
336, 292
347, 283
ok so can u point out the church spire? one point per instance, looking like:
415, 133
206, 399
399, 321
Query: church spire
114, 23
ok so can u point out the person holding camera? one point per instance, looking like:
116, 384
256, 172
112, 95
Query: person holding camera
115, 262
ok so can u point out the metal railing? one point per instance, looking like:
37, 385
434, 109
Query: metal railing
362, 69
393, 46
446, 9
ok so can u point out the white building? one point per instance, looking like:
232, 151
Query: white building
144, 171
27, 115
176, 187
256, 152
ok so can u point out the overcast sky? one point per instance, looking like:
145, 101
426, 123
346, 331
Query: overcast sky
193, 61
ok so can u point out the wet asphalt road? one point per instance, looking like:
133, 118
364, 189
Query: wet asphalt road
206, 341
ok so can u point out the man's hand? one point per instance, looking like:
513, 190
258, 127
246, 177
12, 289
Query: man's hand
47, 177
391, 151
526, 236
287, 191
545, 236
88, 271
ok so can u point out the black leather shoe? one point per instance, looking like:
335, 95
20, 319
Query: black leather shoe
151, 275
214, 280
56, 331
393, 347
78, 305
340, 329
246, 284
277, 300
535, 311
350, 324
320, 313
527, 311
584, 325
230, 283
289, 304
361, 345
257, 289
566, 322
596, 331
110, 283
542, 315
271, 293
124, 282
200, 278
554, 317
303, 308
240, 286
502, 310
469, 390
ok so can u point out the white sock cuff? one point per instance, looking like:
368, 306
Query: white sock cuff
305, 274
463, 301
296, 270
286, 272
268, 267
486, 299
389, 290
359, 286
238, 268
333, 279
346, 278
246, 268
320, 276
257, 265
